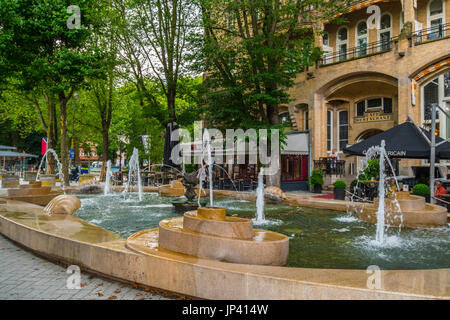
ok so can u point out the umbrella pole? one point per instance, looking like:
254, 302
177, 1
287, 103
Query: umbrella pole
432, 151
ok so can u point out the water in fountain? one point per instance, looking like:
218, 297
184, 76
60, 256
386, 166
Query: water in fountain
260, 199
108, 178
58, 165
223, 170
372, 153
134, 173
381, 209
207, 143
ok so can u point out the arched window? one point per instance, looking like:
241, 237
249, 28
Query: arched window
342, 43
361, 39
385, 32
437, 91
343, 129
329, 129
435, 21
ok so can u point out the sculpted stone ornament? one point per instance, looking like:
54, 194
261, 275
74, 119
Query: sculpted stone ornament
274, 193
63, 204
190, 180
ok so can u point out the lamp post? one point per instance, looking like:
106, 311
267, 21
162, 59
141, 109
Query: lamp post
120, 137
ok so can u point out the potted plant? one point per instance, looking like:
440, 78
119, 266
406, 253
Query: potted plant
339, 189
316, 180
422, 190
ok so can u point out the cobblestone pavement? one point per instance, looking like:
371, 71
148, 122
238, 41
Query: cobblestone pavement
24, 276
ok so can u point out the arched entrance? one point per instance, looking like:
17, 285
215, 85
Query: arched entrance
367, 134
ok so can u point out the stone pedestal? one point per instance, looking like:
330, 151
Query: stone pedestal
209, 233
29, 176
10, 181
47, 179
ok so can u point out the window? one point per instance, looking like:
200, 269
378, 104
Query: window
435, 19
329, 129
374, 104
361, 39
305, 120
325, 39
285, 119
431, 95
387, 105
385, 31
437, 91
447, 85
342, 43
360, 108
343, 129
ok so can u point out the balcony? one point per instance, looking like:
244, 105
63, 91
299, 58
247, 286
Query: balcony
431, 34
358, 52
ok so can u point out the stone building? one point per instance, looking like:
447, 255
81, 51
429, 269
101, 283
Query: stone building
375, 73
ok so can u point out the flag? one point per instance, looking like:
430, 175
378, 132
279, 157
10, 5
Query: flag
43, 146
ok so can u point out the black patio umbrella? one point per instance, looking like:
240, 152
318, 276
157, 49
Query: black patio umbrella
403, 141
169, 144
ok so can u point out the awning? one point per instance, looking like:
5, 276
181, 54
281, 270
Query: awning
2, 147
297, 144
403, 141
13, 154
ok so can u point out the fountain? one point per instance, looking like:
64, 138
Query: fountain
34, 192
134, 173
260, 199
207, 148
189, 182
49, 179
108, 175
399, 209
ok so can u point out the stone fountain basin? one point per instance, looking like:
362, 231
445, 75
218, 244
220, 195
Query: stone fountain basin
139, 260
415, 212
230, 227
30, 191
264, 248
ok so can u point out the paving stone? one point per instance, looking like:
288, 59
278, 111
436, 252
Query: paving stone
23, 276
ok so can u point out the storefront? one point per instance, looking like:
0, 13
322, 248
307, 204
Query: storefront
295, 162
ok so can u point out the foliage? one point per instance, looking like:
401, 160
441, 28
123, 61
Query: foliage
340, 184
353, 183
371, 171
316, 178
421, 189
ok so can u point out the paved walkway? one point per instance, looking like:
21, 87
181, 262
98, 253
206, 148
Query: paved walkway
26, 276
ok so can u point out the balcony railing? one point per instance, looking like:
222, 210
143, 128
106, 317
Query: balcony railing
432, 33
358, 52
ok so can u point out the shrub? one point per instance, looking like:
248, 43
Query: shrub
316, 178
353, 183
340, 184
421, 189
371, 171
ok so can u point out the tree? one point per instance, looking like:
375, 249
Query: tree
154, 36
42, 47
252, 51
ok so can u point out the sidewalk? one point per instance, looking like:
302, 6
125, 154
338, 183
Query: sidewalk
24, 276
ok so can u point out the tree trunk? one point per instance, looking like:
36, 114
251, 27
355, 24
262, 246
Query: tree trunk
64, 138
51, 138
105, 142
171, 104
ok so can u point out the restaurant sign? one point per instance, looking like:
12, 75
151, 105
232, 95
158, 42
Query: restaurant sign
373, 117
